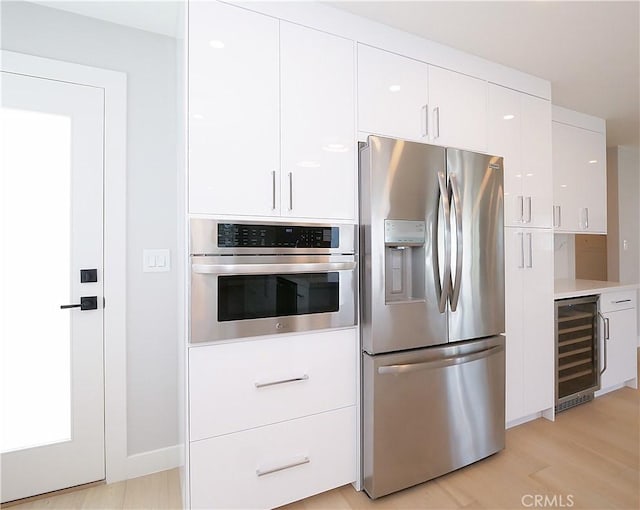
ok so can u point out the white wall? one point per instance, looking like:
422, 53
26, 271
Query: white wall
628, 213
152, 303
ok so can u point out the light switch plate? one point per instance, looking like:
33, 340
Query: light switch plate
156, 261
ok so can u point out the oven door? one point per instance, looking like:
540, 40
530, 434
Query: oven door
244, 296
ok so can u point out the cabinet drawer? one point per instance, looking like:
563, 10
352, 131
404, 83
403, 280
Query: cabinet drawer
612, 301
239, 386
274, 465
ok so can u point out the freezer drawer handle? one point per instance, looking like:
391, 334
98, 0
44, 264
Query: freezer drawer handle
303, 460
304, 377
439, 363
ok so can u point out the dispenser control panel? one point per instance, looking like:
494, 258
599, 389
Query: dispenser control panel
404, 232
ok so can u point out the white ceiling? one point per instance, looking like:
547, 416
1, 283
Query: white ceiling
589, 51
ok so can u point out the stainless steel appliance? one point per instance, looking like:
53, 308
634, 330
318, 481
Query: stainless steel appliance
251, 279
432, 262
577, 355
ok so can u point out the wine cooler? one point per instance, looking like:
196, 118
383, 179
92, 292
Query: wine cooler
577, 352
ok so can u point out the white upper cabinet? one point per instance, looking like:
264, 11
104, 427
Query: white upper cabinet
317, 124
405, 98
579, 173
271, 117
458, 105
392, 95
520, 131
234, 136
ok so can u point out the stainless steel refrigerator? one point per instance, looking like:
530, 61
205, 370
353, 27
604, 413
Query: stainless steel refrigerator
432, 301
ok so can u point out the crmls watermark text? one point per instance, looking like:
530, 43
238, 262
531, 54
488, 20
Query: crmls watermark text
547, 501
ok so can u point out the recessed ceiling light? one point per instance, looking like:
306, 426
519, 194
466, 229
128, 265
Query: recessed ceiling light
593, 161
335, 147
308, 164
563, 185
394, 88
216, 44
509, 117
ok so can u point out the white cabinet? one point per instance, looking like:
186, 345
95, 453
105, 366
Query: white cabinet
271, 117
579, 174
392, 95
272, 420
529, 321
234, 138
405, 98
619, 338
458, 106
520, 132
318, 124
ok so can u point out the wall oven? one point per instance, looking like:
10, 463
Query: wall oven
250, 279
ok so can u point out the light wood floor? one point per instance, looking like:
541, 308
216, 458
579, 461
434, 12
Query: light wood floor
589, 457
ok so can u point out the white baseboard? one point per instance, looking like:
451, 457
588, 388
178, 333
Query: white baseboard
146, 463
524, 419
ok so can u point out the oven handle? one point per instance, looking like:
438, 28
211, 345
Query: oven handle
312, 267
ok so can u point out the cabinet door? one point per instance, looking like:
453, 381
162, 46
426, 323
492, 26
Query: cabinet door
579, 179
537, 177
621, 348
318, 132
538, 323
233, 111
505, 140
514, 267
392, 95
458, 105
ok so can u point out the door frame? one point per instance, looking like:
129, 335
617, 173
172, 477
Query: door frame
114, 85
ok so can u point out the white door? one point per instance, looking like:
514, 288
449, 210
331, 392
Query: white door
52, 398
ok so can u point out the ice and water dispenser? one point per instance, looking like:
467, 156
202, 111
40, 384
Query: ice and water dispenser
404, 260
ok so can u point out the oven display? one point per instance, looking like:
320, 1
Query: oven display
235, 235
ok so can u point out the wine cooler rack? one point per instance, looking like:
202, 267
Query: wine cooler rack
577, 354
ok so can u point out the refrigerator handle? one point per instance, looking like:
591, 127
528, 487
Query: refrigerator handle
457, 205
442, 289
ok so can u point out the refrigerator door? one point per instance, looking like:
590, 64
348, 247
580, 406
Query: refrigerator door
477, 245
435, 410
403, 205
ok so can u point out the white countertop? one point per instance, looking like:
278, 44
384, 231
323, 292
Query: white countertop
575, 288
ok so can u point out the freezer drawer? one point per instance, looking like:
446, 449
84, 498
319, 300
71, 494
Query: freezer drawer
435, 410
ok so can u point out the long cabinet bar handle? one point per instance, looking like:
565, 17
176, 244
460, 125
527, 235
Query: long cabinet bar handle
424, 120
621, 301
521, 207
439, 363
436, 116
521, 236
273, 190
291, 191
529, 241
295, 463
304, 377
559, 216
528, 209
586, 223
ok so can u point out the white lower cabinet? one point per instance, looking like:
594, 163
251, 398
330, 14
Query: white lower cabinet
272, 420
619, 341
270, 466
529, 313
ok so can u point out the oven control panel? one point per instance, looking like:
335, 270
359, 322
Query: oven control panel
241, 235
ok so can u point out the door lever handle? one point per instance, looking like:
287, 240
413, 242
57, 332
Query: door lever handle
86, 303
